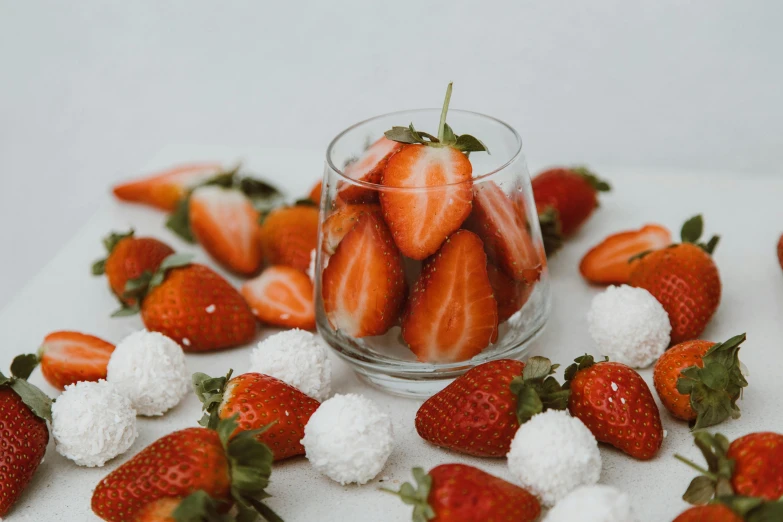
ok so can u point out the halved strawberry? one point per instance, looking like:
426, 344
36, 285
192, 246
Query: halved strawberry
500, 225
342, 221
289, 234
282, 296
224, 221
68, 357
510, 295
609, 262
367, 168
165, 189
363, 285
452, 314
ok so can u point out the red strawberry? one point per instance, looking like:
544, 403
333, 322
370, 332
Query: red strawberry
315, 193
197, 506
182, 463
128, 258
710, 513
480, 412
69, 357
258, 400
289, 234
758, 465
571, 192
616, 405
685, 378
461, 493
510, 295
684, 279
24, 410
780, 251
363, 285
225, 223
504, 232
341, 221
451, 314
611, 261
368, 168
165, 189
282, 296
193, 305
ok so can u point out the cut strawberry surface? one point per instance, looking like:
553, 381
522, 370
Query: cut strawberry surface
165, 189
510, 295
282, 296
364, 285
497, 221
68, 357
452, 314
342, 221
367, 168
610, 262
226, 224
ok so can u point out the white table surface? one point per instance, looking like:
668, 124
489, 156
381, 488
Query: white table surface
747, 214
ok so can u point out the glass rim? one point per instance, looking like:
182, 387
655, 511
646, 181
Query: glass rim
377, 186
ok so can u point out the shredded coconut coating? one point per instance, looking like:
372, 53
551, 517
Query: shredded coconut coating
295, 357
596, 503
93, 423
629, 325
552, 454
348, 439
149, 368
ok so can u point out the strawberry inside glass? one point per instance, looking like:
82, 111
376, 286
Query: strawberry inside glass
430, 254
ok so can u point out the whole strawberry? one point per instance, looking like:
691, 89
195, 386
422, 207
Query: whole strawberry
480, 412
289, 234
615, 403
460, 493
780, 251
128, 258
24, 410
684, 279
193, 305
184, 462
258, 400
700, 381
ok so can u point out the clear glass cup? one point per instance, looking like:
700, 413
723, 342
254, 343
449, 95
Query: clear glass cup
520, 287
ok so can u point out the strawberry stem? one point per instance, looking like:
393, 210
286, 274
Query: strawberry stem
442, 124
698, 468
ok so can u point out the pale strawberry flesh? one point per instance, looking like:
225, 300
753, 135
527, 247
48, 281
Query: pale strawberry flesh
68, 357
610, 262
282, 296
368, 168
342, 221
165, 189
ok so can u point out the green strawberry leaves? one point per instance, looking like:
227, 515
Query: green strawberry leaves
691, 233
580, 363
715, 481
209, 391
21, 368
109, 242
597, 183
417, 496
551, 232
537, 390
139, 287
200, 507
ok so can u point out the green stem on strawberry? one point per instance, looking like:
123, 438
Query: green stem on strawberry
715, 481
537, 391
209, 391
139, 288
200, 506
442, 124
417, 496
695, 466
21, 368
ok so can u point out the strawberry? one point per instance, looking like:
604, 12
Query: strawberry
461, 493
615, 403
165, 189
480, 412
225, 223
510, 295
196, 507
184, 462
24, 410
684, 279
289, 234
69, 357
193, 305
571, 193
451, 313
341, 221
367, 169
612, 260
315, 193
421, 220
758, 465
504, 232
710, 513
780, 251
128, 258
700, 381
258, 400
363, 285
282, 296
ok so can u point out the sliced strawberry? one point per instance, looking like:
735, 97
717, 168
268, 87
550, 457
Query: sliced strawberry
342, 221
609, 262
363, 284
367, 168
499, 224
69, 357
451, 313
421, 220
510, 295
282, 296
226, 224
165, 189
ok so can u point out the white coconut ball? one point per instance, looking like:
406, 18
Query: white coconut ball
552, 454
596, 503
629, 325
149, 368
295, 357
348, 439
92, 423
